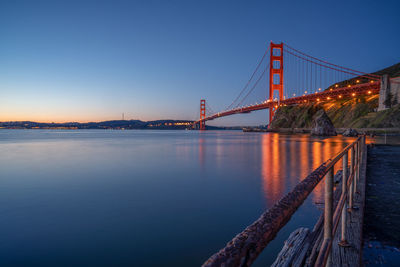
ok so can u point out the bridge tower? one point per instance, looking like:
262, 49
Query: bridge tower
275, 75
202, 122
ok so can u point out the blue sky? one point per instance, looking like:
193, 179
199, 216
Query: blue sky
93, 60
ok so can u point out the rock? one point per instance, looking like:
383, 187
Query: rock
322, 125
350, 132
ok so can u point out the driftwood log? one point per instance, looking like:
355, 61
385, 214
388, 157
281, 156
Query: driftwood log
244, 248
292, 248
302, 245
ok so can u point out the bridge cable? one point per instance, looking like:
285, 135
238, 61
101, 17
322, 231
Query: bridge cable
249, 81
254, 86
326, 62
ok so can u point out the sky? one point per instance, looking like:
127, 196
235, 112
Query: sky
94, 60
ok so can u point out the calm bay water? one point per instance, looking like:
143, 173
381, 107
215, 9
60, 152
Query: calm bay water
146, 198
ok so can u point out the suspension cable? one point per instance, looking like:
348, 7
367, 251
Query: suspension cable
326, 62
249, 81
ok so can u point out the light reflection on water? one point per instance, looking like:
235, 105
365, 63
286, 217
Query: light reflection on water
146, 198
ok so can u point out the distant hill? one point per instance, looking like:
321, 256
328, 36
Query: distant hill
114, 124
392, 71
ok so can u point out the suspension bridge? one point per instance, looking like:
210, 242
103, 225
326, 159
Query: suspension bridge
293, 77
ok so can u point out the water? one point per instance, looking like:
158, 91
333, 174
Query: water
146, 198
381, 236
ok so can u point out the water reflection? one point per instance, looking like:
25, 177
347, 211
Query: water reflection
286, 160
270, 165
202, 151
106, 197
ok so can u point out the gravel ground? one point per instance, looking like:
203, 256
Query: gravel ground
382, 211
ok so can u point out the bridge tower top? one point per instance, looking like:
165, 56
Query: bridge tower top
275, 74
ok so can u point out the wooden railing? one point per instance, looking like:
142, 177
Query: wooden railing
244, 248
349, 186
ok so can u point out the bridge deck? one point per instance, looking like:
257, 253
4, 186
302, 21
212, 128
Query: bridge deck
359, 89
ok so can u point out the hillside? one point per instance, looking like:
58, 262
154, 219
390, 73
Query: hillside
392, 71
360, 112
354, 113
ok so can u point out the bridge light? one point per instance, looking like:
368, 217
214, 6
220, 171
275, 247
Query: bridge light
294, 94
328, 98
357, 81
317, 99
349, 85
353, 94
372, 81
319, 89
305, 92
340, 96
330, 89
369, 92
336, 85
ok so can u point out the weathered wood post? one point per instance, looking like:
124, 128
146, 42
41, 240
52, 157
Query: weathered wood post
360, 147
343, 242
350, 195
328, 217
356, 169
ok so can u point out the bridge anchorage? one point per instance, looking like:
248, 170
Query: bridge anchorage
307, 80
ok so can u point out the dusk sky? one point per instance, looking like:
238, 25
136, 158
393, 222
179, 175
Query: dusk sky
93, 60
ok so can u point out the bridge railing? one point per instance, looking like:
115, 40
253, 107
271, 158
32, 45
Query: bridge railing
244, 248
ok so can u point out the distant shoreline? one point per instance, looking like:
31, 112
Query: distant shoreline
110, 125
